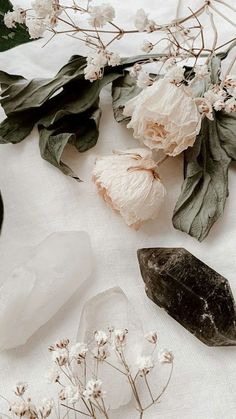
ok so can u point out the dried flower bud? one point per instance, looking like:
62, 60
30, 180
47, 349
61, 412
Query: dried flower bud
63, 343
19, 408
101, 353
147, 46
78, 351
46, 408
53, 375
20, 389
151, 337
165, 357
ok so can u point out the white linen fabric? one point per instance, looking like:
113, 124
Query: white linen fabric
40, 200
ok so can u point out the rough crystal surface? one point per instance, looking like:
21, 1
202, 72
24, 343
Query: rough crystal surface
194, 294
39, 286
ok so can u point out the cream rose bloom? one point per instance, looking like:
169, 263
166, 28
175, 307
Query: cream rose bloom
129, 182
164, 116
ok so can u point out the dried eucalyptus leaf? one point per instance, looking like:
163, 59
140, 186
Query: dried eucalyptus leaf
16, 127
27, 94
226, 126
80, 130
123, 89
52, 147
11, 37
205, 187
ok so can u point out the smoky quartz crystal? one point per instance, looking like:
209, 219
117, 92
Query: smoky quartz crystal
192, 293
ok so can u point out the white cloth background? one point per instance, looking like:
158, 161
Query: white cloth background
39, 200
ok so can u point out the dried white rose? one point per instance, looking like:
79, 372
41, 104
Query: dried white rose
93, 390
141, 20
164, 116
36, 27
100, 337
205, 107
145, 364
143, 79
147, 46
129, 182
100, 15
79, 350
151, 337
165, 357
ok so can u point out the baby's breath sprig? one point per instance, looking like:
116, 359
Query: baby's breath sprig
77, 369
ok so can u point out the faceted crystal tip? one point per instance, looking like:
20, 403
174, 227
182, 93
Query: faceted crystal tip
195, 295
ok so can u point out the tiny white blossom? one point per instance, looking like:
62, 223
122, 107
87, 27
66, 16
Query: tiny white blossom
100, 15
175, 74
230, 105
60, 356
92, 72
16, 16
93, 390
45, 408
113, 59
100, 337
143, 79
219, 105
165, 357
71, 394
79, 350
147, 46
53, 375
98, 58
151, 337
135, 70
230, 85
205, 107
145, 364
19, 408
36, 28
141, 20
101, 353
201, 71
120, 336
42, 8
151, 26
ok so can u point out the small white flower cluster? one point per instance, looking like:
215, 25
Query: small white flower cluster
77, 368
26, 408
100, 15
218, 98
45, 14
142, 23
97, 61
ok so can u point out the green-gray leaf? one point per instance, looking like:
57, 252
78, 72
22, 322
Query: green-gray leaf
10, 38
226, 125
80, 130
205, 187
123, 89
